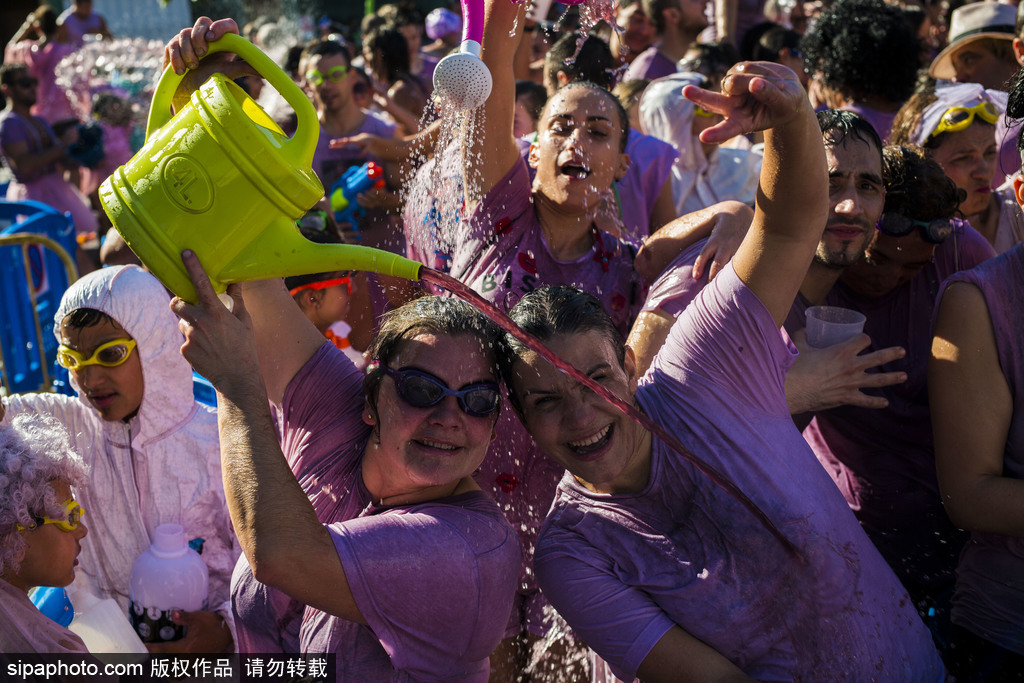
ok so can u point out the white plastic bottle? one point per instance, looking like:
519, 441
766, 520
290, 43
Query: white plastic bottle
102, 625
168, 576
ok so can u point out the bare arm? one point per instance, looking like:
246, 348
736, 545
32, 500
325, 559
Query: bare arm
972, 408
26, 162
647, 336
276, 525
792, 198
491, 140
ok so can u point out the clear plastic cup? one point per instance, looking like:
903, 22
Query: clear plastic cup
830, 325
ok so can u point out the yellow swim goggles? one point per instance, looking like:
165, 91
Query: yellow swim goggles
73, 512
109, 355
958, 118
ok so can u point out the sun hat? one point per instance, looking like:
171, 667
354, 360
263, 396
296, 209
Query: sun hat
442, 22
969, 24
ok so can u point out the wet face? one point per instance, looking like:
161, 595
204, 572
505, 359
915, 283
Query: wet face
856, 199
888, 263
977, 64
331, 95
577, 154
440, 444
115, 393
573, 425
50, 559
970, 159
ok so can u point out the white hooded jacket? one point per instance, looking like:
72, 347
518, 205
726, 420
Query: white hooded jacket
161, 466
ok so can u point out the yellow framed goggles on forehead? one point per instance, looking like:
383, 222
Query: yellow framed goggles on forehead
334, 75
958, 118
72, 512
109, 355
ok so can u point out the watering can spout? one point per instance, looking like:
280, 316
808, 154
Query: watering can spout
287, 253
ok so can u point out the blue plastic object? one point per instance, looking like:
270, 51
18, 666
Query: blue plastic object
351, 184
203, 391
54, 603
43, 274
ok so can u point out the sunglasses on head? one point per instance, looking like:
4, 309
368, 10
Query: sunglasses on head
73, 512
422, 390
109, 355
324, 284
958, 118
334, 74
897, 225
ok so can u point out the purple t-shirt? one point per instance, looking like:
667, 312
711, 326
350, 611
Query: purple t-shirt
989, 597
77, 27
624, 568
330, 164
16, 128
650, 165
434, 582
881, 121
650, 64
323, 439
883, 460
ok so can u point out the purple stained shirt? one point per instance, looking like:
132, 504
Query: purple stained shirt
650, 165
883, 460
434, 582
650, 64
77, 27
323, 440
989, 597
624, 568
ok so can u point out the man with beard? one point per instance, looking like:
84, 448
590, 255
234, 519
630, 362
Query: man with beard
820, 378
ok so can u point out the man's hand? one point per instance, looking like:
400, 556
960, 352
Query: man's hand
207, 634
186, 53
755, 96
834, 376
218, 342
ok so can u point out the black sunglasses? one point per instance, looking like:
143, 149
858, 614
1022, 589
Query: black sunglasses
422, 390
897, 225
27, 82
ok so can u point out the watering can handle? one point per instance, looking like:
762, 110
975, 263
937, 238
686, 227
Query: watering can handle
302, 144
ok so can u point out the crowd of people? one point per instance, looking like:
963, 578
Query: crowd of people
390, 477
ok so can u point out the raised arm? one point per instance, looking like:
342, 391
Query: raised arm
490, 146
972, 408
792, 197
276, 525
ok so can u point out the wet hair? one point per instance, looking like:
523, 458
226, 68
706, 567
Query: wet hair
535, 96
916, 185
863, 48
426, 315
593, 63
81, 318
9, 72
34, 450
318, 237
623, 116
628, 92
1015, 104
392, 48
550, 311
838, 125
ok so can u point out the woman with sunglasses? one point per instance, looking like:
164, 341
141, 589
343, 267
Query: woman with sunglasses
41, 530
957, 124
366, 513
153, 450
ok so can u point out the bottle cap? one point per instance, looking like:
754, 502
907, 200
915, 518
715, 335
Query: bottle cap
169, 541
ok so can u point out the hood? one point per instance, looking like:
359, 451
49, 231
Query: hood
140, 304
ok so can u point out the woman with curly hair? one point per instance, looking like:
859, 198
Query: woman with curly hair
41, 530
862, 57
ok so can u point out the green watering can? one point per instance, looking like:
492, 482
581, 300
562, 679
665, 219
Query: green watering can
222, 179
